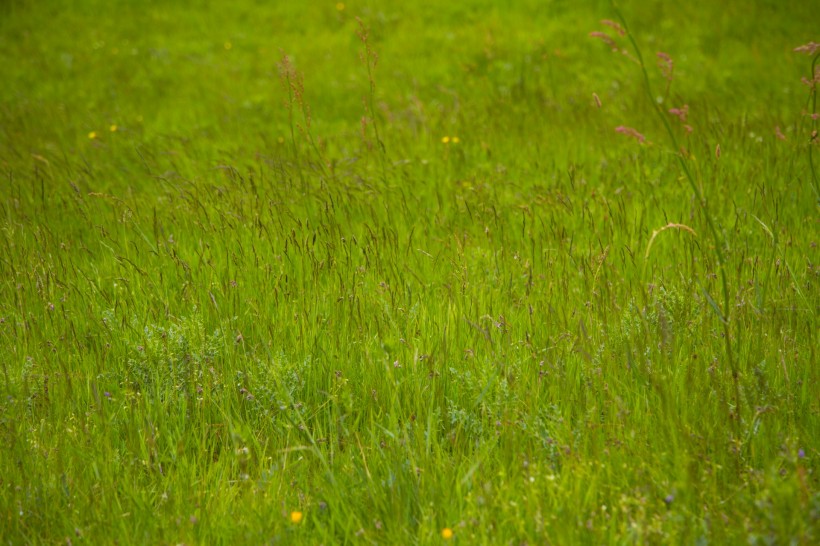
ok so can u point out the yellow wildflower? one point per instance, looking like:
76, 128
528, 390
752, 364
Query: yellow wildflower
92, 135
445, 139
340, 6
456, 140
113, 128
447, 533
296, 517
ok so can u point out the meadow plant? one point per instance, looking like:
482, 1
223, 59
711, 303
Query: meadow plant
370, 59
666, 66
447, 302
293, 84
810, 110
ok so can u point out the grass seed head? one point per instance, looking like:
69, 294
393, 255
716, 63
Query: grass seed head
605, 38
630, 132
810, 48
666, 65
615, 26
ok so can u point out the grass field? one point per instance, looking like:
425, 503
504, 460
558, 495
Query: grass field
409, 272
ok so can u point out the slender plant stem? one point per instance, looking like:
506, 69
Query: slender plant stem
370, 63
813, 100
718, 241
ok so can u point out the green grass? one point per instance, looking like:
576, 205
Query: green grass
225, 297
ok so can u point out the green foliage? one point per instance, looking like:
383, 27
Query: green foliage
172, 358
403, 274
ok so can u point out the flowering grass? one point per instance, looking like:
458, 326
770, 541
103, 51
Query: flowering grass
255, 290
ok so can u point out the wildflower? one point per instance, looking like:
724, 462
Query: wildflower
296, 517
228, 46
456, 140
92, 135
447, 533
445, 140
629, 131
801, 454
340, 6
113, 128
613, 25
666, 64
809, 49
